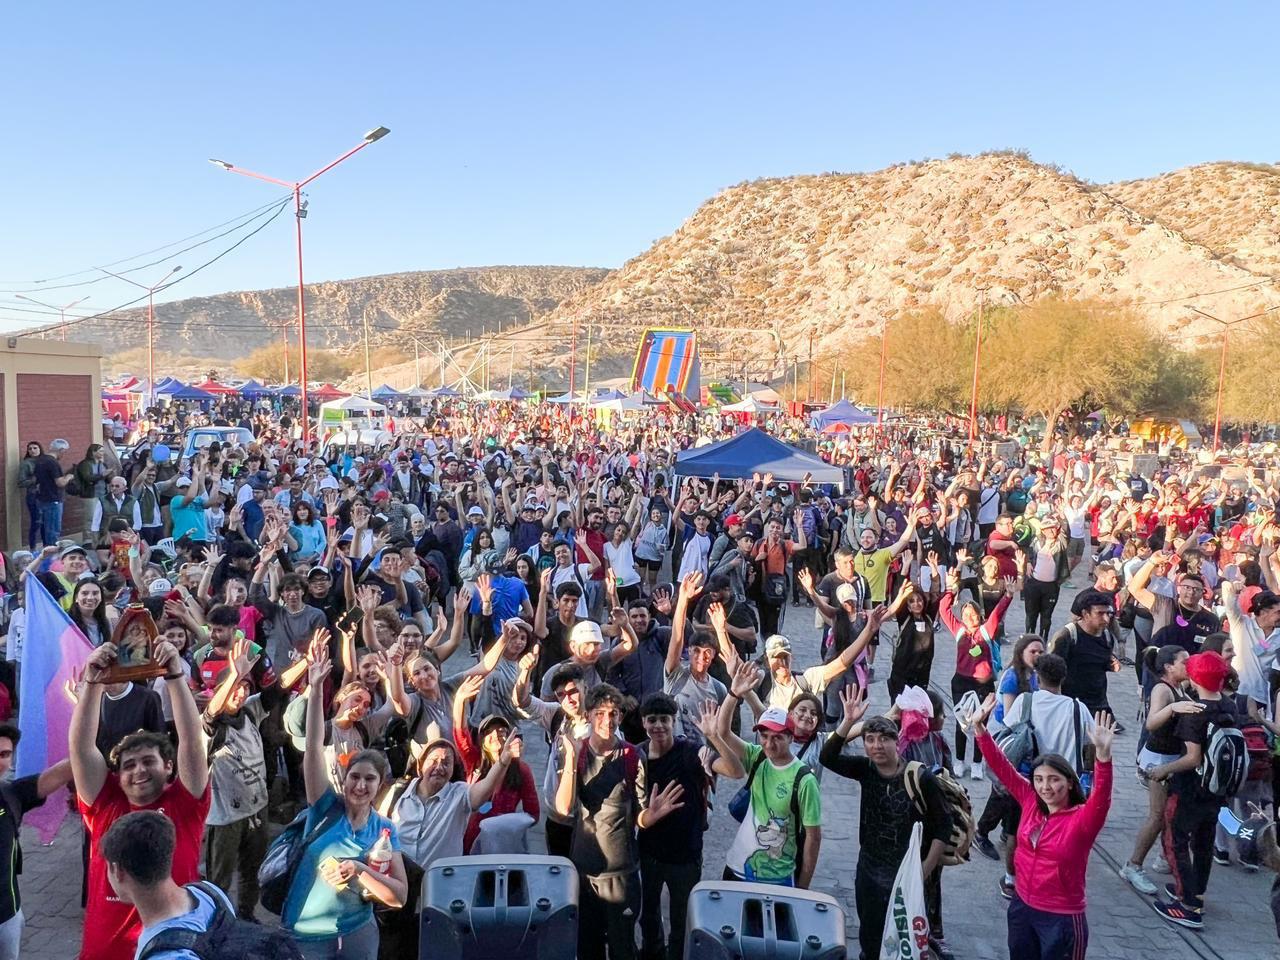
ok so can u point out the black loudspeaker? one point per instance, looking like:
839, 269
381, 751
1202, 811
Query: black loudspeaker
508, 907
753, 921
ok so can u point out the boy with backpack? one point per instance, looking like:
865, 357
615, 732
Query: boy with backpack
1209, 772
195, 922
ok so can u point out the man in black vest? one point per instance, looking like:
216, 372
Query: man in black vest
116, 502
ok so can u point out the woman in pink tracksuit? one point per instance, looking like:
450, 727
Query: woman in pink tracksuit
1047, 914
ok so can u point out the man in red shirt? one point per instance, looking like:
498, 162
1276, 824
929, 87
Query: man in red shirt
138, 778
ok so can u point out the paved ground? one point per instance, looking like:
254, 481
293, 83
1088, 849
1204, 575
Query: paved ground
1123, 925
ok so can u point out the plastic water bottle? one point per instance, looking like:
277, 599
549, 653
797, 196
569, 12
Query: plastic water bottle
379, 858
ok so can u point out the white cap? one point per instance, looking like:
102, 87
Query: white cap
160, 587
586, 631
182, 483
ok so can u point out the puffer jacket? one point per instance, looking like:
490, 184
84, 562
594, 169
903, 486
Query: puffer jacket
1050, 870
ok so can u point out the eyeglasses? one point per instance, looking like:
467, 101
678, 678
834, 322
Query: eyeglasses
566, 692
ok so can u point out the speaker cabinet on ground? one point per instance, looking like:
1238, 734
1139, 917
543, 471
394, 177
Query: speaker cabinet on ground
515, 907
754, 921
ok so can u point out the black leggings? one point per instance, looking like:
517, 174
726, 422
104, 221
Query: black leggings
1040, 598
959, 687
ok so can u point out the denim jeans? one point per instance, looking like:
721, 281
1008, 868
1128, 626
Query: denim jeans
11, 937
51, 521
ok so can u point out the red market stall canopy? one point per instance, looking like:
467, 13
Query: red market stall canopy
328, 392
212, 386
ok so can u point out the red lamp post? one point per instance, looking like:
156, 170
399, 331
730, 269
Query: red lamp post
977, 356
1222, 364
299, 212
884, 350
151, 326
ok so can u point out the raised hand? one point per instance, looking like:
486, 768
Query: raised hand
715, 613
707, 713
805, 576
853, 703
1102, 734
242, 658
484, 587
470, 686
691, 585
319, 668
662, 601
529, 662
512, 748
166, 653
1010, 585
745, 679
212, 555
369, 597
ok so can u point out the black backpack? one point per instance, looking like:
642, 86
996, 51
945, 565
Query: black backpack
226, 937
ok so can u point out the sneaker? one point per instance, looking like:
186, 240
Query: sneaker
986, 847
1249, 865
1171, 893
1160, 864
1118, 729
1138, 880
957, 768
1180, 914
1006, 889
1221, 857
975, 771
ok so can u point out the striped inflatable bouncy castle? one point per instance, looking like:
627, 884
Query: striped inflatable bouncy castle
667, 363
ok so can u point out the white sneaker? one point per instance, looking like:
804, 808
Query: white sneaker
1138, 879
975, 772
957, 768
1160, 864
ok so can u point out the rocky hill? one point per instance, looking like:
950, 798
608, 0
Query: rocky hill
1231, 208
823, 259
451, 303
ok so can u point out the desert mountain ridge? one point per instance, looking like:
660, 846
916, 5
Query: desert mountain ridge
771, 270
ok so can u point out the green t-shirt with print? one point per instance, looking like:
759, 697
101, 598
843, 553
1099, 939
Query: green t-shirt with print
765, 849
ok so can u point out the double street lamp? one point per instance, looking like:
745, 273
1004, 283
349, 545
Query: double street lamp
62, 311
299, 212
151, 326
1222, 364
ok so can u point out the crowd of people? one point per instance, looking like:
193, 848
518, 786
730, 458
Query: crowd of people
352, 646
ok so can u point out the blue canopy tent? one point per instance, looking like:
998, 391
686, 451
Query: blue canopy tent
252, 390
291, 390
386, 392
191, 393
445, 392
754, 451
602, 395
518, 393
842, 411
169, 386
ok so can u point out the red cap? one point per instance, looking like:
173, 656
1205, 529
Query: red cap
1208, 670
733, 520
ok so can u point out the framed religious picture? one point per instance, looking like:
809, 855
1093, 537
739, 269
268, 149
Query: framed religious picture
135, 639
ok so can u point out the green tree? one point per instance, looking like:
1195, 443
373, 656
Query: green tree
1253, 357
928, 362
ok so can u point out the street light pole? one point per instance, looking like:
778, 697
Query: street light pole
884, 341
62, 311
977, 355
1222, 365
299, 212
151, 326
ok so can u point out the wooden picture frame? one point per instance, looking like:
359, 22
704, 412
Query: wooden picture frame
135, 636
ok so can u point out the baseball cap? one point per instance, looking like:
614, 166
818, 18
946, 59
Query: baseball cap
777, 644
160, 587
1208, 670
586, 631
732, 520
182, 483
315, 573
775, 720
475, 512
845, 593
70, 549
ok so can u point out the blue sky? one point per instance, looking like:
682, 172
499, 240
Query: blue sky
561, 133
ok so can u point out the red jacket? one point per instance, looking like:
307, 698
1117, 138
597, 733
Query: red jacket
978, 667
1050, 870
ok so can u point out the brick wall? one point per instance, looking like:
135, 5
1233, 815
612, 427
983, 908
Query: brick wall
52, 405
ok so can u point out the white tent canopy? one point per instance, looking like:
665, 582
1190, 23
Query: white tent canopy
750, 405
354, 405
